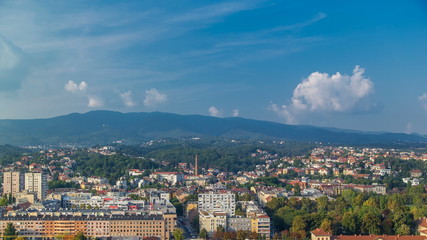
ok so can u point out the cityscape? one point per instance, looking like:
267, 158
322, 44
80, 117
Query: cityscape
213, 120
281, 197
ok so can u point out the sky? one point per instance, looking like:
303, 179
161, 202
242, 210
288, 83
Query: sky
345, 64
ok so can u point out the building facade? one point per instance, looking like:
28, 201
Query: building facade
153, 226
220, 201
13, 182
36, 183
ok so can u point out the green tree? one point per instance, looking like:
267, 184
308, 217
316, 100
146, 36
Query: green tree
348, 195
178, 234
372, 202
134, 196
371, 223
178, 206
326, 226
80, 236
10, 232
4, 201
297, 190
298, 224
203, 233
387, 227
322, 203
350, 223
403, 230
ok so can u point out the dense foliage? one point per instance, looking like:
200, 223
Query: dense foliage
350, 213
216, 153
62, 184
10, 154
111, 167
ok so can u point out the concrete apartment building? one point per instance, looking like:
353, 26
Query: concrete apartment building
36, 183
212, 220
153, 226
255, 220
259, 223
218, 201
13, 182
25, 183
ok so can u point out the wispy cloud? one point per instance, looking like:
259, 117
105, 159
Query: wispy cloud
212, 12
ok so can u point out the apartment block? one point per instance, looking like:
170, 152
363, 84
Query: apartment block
142, 226
36, 183
13, 182
219, 201
212, 220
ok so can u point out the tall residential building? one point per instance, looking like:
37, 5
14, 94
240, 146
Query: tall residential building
222, 201
36, 183
13, 182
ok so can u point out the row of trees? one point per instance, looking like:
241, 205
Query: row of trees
62, 184
350, 213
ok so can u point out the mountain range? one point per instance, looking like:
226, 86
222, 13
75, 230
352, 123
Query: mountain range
105, 127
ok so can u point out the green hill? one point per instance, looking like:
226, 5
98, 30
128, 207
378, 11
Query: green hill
104, 127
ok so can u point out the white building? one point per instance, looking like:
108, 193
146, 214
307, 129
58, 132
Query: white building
36, 183
223, 201
172, 177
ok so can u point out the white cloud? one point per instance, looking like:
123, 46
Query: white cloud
94, 102
321, 92
153, 97
214, 112
73, 87
127, 99
423, 100
235, 113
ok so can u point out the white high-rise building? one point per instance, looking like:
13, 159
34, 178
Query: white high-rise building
36, 183
221, 201
13, 182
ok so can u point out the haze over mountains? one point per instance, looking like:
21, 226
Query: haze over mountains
105, 127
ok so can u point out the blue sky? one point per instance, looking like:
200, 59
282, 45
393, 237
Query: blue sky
345, 64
